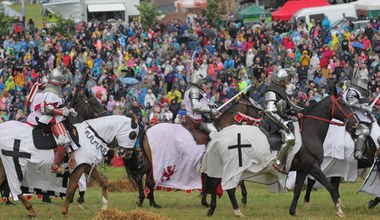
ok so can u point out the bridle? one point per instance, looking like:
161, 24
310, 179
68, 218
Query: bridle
335, 105
87, 103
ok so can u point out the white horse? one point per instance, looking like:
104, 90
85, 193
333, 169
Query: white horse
27, 168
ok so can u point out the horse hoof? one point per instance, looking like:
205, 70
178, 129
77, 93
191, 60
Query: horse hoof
306, 205
210, 212
292, 213
139, 204
156, 206
340, 214
32, 215
80, 200
244, 201
340, 202
372, 204
239, 214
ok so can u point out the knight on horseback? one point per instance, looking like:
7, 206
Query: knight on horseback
47, 107
278, 109
357, 96
198, 107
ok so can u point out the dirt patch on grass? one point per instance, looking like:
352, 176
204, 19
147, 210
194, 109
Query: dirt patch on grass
116, 214
121, 185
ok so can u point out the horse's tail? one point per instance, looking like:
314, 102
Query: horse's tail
131, 164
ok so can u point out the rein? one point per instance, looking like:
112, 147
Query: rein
334, 103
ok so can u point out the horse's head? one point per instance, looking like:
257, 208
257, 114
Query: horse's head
87, 107
244, 105
343, 112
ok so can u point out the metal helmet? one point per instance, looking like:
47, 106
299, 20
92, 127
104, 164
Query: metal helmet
198, 76
56, 76
281, 77
362, 81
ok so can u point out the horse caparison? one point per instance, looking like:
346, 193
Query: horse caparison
136, 175
314, 125
87, 108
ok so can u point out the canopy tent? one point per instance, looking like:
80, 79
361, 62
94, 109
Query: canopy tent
11, 12
66, 9
292, 6
190, 3
372, 7
254, 12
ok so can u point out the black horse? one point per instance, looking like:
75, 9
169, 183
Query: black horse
136, 174
314, 126
369, 152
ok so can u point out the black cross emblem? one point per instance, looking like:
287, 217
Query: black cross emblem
16, 154
239, 146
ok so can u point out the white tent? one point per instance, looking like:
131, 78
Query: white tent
367, 5
372, 7
66, 9
11, 12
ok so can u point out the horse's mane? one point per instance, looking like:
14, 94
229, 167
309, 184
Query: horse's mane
310, 109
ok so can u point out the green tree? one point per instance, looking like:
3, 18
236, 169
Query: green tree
5, 22
148, 13
64, 26
214, 12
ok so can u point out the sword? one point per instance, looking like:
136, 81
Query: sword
226, 103
374, 101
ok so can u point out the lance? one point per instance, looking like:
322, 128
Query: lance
226, 103
374, 101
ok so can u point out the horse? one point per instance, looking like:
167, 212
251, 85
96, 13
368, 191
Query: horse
21, 160
232, 115
313, 129
370, 149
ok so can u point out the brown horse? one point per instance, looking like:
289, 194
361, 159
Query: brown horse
245, 106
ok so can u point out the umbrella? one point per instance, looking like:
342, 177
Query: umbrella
358, 45
210, 78
377, 49
209, 32
129, 80
172, 28
97, 89
184, 40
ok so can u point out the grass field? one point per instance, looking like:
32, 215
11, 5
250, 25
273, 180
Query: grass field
181, 205
31, 11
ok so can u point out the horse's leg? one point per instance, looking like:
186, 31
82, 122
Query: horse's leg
213, 186
335, 182
141, 190
373, 203
317, 173
103, 183
4, 187
74, 178
243, 193
310, 185
150, 184
204, 190
300, 179
28, 206
234, 203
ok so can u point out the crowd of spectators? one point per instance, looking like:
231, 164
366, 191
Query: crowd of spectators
160, 61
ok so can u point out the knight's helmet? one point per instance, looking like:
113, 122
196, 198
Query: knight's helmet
56, 77
281, 77
198, 76
361, 80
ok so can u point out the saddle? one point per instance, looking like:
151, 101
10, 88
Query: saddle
274, 137
200, 136
43, 138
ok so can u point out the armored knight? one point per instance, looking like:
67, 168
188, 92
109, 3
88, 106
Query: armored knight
277, 109
197, 105
357, 96
51, 111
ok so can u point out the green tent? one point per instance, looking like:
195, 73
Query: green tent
253, 12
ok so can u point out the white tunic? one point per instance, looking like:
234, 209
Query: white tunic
50, 98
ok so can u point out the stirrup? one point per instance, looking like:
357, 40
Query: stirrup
279, 167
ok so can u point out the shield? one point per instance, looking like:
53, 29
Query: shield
171, 28
209, 32
129, 80
358, 45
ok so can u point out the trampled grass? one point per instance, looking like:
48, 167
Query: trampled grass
31, 11
181, 205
